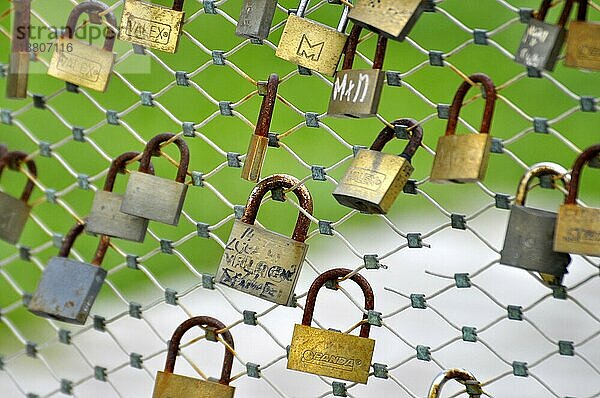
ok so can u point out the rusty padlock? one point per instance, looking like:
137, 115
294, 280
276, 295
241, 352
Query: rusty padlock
263, 263
374, 179
68, 288
578, 227
170, 385
256, 17
391, 18
18, 68
157, 198
583, 41
464, 158
472, 386
327, 352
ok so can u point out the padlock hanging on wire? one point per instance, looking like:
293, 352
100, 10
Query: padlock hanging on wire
391, 18
256, 17
18, 67
583, 41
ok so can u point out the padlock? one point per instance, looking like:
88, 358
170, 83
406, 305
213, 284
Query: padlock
331, 353
157, 198
152, 25
473, 386
374, 179
256, 18
578, 227
263, 263
391, 18
15, 212
356, 92
68, 288
79, 63
464, 158
257, 149
583, 41
310, 44
18, 68
170, 385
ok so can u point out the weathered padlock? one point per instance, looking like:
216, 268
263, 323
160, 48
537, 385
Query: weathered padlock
331, 353
152, 25
464, 158
170, 385
263, 263
68, 288
157, 198
472, 386
257, 149
391, 18
79, 63
15, 212
256, 18
310, 44
18, 68
374, 179
578, 227
356, 92
583, 41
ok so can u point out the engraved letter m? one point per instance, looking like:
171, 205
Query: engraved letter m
308, 50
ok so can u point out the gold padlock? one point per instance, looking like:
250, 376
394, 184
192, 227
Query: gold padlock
578, 227
79, 63
583, 41
375, 179
464, 158
472, 386
327, 352
170, 385
18, 68
392, 18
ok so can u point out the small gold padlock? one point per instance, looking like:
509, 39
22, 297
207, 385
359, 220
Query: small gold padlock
170, 385
18, 68
583, 41
374, 179
327, 352
472, 386
392, 18
464, 158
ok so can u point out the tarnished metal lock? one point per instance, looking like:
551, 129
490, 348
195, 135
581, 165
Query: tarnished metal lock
263, 263
356, 92
374, 179
79, 63
170, 385
464, 158
256, 18
583, 41
152, 25
327, 352
473, 386
68, 288
18, 68
157, 198
578, 227
310, 44
257, 149
391, 18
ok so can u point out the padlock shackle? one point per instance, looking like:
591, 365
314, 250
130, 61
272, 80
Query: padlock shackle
3, 153
584, 158
388, 133
565, 13
490, 102
92, 7
119, 165
153, 149
177, 5
342, 24
352, 43
14, 160
582, 6
450, 374
266, 108
202, 321
73, 234
282, 181
537, 170
335, 274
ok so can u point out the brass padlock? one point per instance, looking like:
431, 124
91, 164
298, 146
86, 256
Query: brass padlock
391, 18
327, 352
255, 19
170, 385
68, 288
18, 68
152, 25
583, 41
356, 92
257, 149
472, 386
578, 227
310, 44
157, 198
374, 179
79, 63
263, 263
15, 212
464, 158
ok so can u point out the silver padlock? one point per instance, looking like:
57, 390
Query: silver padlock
256, 18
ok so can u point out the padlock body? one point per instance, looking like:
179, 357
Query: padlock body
67, 290
13, 217
356, 93
76, 62
18, 75
583, 45
170, 385
151, 25
261, 263
373, 181
578, 230
311, 44
528, 242
391, 18
255, 19
154, 198
461, 158
255, 157
332, 354
106, 218
540, 45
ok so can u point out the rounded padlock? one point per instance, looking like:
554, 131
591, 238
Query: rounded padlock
473, 386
